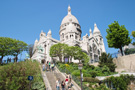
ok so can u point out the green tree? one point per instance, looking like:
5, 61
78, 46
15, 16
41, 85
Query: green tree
57, 50
71, 52
18, 47
120, 83
133, 34
106, 59
5, 47
30, 50
117, 36
81, 56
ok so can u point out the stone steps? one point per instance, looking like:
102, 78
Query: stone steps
52, 80
53, 76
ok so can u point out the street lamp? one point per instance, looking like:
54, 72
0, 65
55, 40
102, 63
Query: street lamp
80, 68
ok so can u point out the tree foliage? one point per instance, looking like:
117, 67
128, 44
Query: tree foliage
18, 47
120, 83
133, 34
30, 50
117, 36
70, 52
9, 46
5, 47
57, 50
63, 50
106, 59
129, 51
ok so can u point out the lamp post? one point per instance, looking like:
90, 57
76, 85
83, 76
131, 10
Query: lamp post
80, 68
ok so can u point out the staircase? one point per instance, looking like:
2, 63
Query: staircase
51, 77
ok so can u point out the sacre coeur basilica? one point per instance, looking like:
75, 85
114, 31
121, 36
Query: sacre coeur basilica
70, 33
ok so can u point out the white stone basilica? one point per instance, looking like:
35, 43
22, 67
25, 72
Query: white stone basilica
70, 33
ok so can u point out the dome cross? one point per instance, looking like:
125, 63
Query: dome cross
69, 10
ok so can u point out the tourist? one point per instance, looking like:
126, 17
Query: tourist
43, 67
70, 77
70, 86
63, 85
49, 64
46, 65
52, 66
66, 80
58, 84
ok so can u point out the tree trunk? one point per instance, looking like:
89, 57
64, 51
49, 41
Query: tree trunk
121, 51
70, 59
1, 59
60, 59
16, 58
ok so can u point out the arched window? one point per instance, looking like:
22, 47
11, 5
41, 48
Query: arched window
98, 52
66, 37
62, 35
94, 48
90, 49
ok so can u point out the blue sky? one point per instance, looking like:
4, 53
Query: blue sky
24, 19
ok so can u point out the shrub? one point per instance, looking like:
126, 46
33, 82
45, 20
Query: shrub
120, 83
92, 67
14, 76
76, 73
106, 59
89, 79
93, 74
130, 51
38, 86
102, 87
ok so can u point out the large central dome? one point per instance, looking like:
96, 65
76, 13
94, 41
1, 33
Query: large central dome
69, 16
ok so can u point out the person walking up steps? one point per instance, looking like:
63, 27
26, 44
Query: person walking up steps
66, 82
63, 85
58, 84
70, 78
49, 64
52, 66
43, 66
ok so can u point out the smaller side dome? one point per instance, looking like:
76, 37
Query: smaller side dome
49, 32
36, 41
96, 30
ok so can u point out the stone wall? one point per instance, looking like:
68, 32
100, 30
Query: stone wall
125, 63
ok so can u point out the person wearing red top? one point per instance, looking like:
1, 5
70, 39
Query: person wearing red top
66, 80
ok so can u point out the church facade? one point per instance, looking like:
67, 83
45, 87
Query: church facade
70, 33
